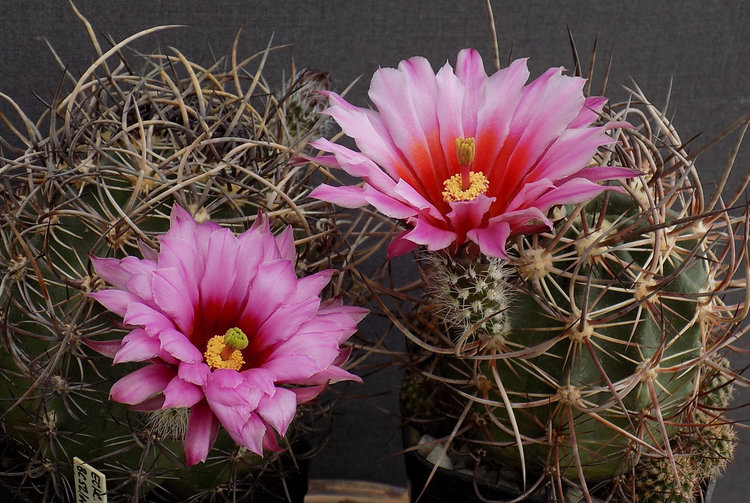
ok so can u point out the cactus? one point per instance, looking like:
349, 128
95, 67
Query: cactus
119, 150
596, 354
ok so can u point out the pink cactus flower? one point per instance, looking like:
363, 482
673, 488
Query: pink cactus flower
227, 329
462, 157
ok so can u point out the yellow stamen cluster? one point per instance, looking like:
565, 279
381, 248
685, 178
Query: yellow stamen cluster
225, 351
453, 187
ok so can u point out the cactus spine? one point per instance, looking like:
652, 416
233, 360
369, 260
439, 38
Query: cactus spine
122, 147
597, 353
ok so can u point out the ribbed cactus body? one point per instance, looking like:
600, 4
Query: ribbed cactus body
119, 152
598, 336
612, 329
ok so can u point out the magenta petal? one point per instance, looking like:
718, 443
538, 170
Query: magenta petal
270, 443
346, 197
110, 271
222, 256
147, 252
106, 348
577, 190
251, 434
308, 393
278, 410
467, 215
142, 384
195, 373
400, 245
427, 234
260, 378
234, 401
179, 393
137, 346
169, 295
116, 301
491, 239
331, 375
285, 243
357, 164
589, 112
202, 429
152, 321
176, 344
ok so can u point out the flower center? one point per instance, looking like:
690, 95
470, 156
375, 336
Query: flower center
453, 188
467, 184
225, 351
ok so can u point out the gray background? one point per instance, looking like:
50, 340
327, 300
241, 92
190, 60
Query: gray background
699, 47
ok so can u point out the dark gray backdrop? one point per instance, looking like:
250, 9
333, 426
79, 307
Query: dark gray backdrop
698, 47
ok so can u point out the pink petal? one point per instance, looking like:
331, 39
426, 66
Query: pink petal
450, 96
176, 344
491, 239
357, 165
570, 153
179, 393
427, 234
331, 375
369, 132
547, 105
142, 384
270, 443
394, 95
470, 71
106, 348
273, 284
494, 115
308, 393
589, 112
577, 190
278, 410
219, 274
195, 373
234, 401
285, 321
169, 295
179, 254
137, 346
116, 301
414, 198
202, 429
467, 215
156, 402
110, 271
400, 245
346, 197
285, 244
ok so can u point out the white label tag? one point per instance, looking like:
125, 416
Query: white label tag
91, 485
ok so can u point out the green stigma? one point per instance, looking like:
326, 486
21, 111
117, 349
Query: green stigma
235, 338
